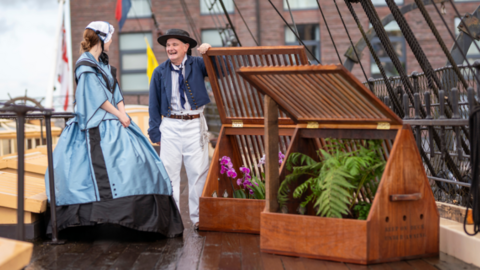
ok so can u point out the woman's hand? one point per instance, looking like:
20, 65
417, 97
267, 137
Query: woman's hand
125, 120
204, 48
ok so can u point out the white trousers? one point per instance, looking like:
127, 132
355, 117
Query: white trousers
181, 140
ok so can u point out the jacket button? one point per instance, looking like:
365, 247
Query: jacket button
113, 184
195, 103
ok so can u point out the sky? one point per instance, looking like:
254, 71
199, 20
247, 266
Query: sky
27, 37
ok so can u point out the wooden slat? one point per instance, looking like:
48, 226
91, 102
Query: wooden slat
235, 97
35, 196
328, 94
14, 254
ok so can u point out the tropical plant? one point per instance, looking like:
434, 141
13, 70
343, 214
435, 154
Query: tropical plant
252, 187
336, 181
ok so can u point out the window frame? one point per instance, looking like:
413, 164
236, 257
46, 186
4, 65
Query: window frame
121, 53
285, 7
212, 29
214, 13
387, 59
306, 42
143, 16
385, 5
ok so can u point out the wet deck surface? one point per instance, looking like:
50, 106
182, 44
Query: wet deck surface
116, 247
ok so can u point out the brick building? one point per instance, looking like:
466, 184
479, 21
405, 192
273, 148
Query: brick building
128, 49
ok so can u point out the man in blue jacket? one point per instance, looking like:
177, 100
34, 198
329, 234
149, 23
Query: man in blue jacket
178, 93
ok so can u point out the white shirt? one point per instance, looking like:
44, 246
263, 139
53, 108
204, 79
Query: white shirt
175, 102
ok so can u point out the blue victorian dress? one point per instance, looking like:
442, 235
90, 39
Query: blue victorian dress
105, 173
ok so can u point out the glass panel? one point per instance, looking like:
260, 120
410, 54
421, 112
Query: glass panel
135, 82
134, 61
382, 2
217, 8
387, 66
135, 41
212, 37
306, 32
140, 8
314, 49
300, 4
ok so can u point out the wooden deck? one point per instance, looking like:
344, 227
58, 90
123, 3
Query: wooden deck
115, 247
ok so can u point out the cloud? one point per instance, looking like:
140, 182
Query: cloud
27, 36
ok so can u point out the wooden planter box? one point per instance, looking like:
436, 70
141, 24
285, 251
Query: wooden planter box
241, 137
403, 222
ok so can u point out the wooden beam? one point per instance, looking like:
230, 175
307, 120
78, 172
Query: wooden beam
271, 148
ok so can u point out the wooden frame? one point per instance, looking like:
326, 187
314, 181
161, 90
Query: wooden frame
403, 222
241, 137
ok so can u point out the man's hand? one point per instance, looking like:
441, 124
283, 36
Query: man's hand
204, 48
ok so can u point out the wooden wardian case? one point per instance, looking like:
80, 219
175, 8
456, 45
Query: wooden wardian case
241, 137
328, 101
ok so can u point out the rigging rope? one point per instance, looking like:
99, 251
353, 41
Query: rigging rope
248, 28
354, 49
293, 21
456, 43
328, 29
382, 35
464, 24
230, 22
473, 198
286, 23
391, 93
430, 23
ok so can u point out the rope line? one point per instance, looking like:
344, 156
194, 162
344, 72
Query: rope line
286, 23
293, 21
329, 33
353, 46
248, 28
456, 43
230, 22
391, 92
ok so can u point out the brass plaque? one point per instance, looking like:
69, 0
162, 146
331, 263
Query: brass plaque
237, 123
383, 125
312, 125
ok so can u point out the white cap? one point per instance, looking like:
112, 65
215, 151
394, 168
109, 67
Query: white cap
105, 30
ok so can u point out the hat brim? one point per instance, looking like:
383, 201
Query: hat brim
163, 40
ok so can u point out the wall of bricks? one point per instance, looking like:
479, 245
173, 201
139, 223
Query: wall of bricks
170, 14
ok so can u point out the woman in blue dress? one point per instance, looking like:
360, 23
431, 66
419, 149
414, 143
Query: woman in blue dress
106, 170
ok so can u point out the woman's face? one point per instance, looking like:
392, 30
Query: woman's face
106, 46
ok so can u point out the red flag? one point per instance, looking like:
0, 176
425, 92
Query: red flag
118, 10
63, 73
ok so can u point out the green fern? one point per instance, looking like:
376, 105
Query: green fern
336, 181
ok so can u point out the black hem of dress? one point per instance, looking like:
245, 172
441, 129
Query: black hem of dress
149, 213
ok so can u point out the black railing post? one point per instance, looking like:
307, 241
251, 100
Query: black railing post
430, 128
51, 180
20, 174
406, 106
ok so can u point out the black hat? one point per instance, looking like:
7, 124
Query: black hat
178, 34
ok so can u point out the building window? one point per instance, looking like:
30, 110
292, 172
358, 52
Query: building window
383, 3
310, 35
133, 62
472, 53
213, 7
140, 9
213, 37
300, 4
398, 44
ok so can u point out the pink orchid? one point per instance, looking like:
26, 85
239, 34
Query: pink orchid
231, 173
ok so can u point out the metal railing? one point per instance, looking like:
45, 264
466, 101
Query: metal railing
20, 113
447, 160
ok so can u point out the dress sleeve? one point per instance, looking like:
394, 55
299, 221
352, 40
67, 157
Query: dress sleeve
90, 96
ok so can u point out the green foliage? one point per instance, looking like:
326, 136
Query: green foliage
336, 181
258, 188
362, 209
239, 194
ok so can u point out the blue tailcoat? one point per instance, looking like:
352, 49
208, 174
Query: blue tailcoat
161, 91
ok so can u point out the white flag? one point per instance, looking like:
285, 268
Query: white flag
64, 97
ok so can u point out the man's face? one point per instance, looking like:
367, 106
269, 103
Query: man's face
176, 50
